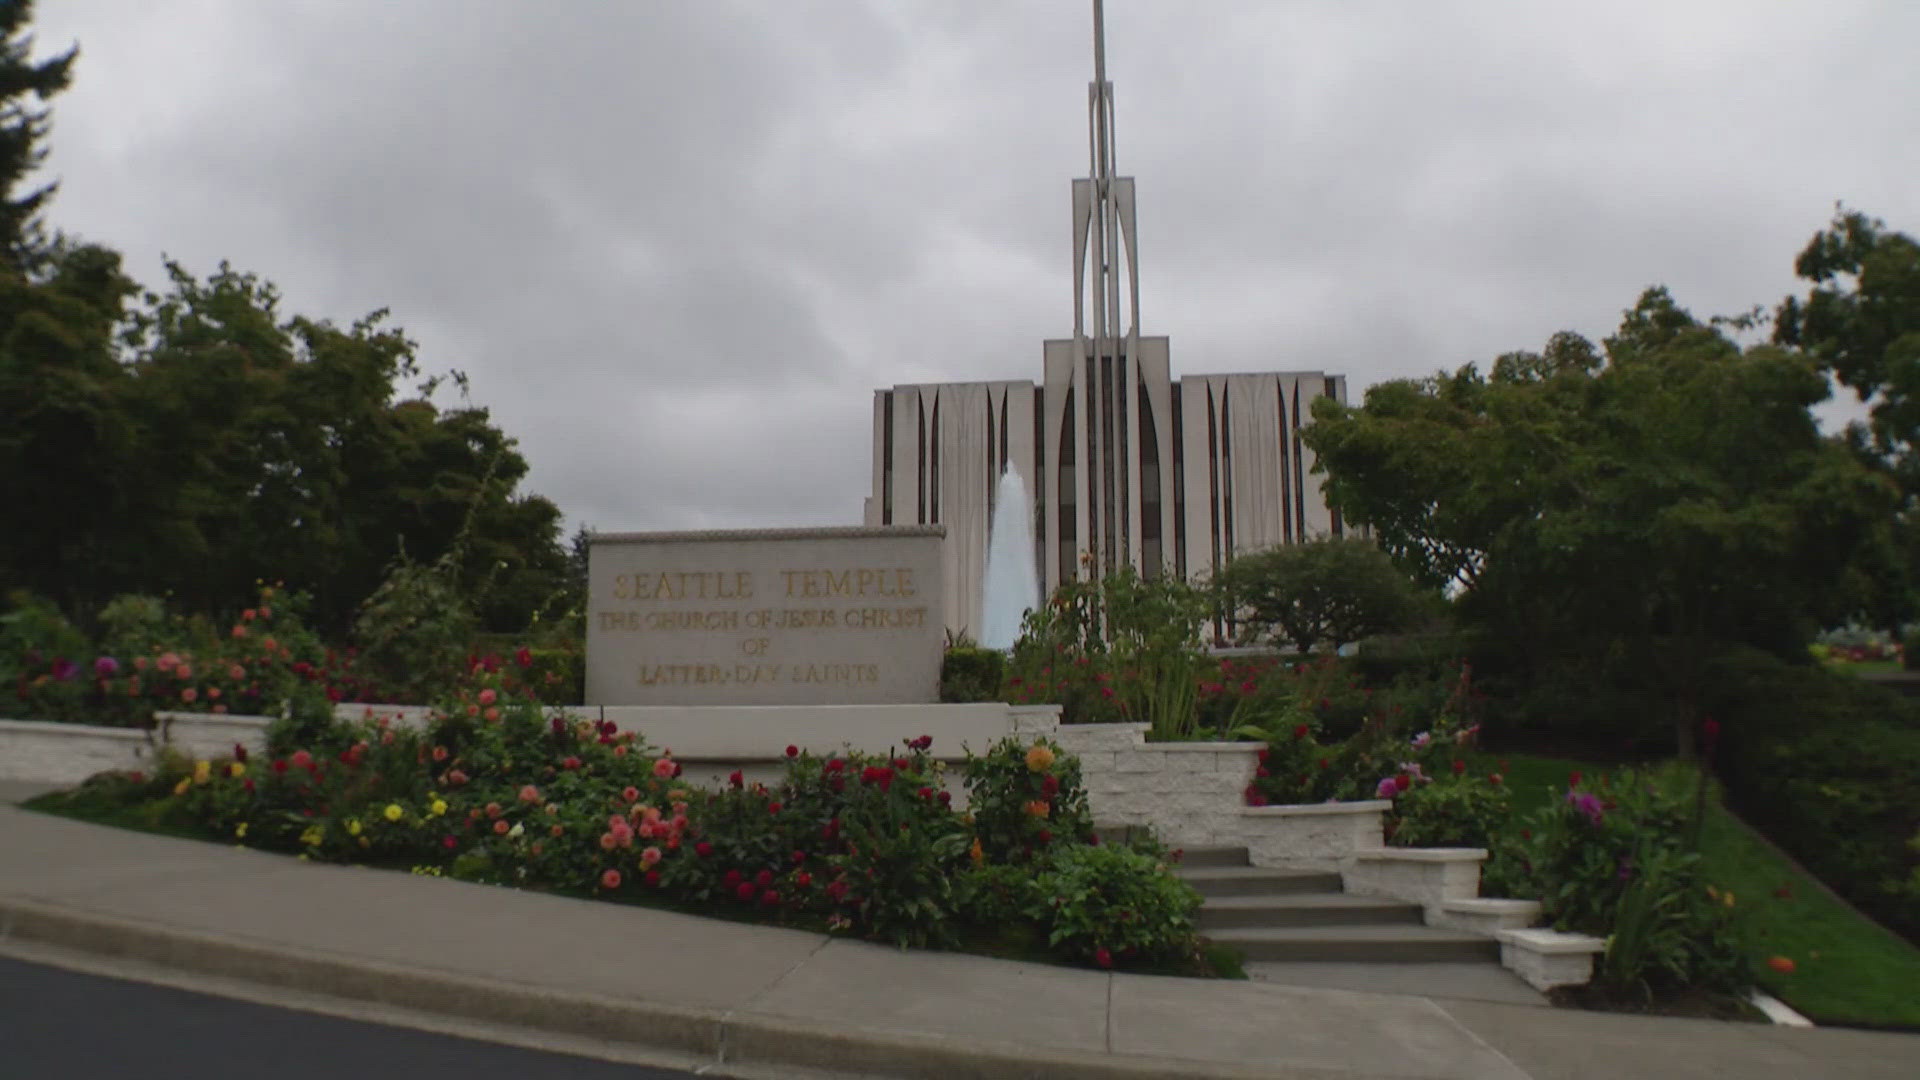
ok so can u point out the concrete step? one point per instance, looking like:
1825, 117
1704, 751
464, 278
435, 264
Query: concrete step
1214, 881
1305, 909
1213, 856
1359, 944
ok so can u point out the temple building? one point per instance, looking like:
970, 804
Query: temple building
1125, 464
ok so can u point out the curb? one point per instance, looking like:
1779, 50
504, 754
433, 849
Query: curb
723, 1039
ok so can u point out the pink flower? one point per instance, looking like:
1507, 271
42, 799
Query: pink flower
492, 715
236, 672
663, 768
607, 842
1386, 789
183, 671
189, 695
105, 666
610, 879
488, 697
239, 631
630, 793
529, 794
650, 856
168, 661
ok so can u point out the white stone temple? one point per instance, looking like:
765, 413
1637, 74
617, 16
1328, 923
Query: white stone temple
1128, 465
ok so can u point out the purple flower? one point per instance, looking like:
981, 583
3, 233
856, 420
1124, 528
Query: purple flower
105, 666
64, 669
1387, 789
1588, 804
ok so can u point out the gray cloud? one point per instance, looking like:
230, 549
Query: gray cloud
677, 245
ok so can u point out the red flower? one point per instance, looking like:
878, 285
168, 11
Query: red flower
763, 879
921, 743
926, 794
279, 765
1103, 958
1459, 766
703, 849
239, 753
523, 656
902, 764
792, 750
945, 798
835, 765
1573, 779
1262, 756
1262, 772
653, 878
734, 779
1402, 782
1254, 797
1299, 731
744, 890
773, 808
570, 762
731, 879
1045, 837
798, 857
302, 759
450, 843
770, 898
802, 879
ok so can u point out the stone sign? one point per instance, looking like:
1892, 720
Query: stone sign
842, 616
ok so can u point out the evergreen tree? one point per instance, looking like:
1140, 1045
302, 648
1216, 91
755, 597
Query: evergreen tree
25, 87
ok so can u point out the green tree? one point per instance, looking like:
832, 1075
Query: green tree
1860, 320
1330, 591
1644, 508
25, 87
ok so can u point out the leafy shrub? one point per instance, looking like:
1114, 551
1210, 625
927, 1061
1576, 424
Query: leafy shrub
414, 629
972, 674
1828, 767
1611, 860
1124, 647
1103, 902
1025, 798
1452, 811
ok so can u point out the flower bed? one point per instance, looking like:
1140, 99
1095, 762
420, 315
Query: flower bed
870, 845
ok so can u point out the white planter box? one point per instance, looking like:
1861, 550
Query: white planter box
1312, 836
1548, 958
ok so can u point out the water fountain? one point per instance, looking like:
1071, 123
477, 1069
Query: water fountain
1012, 587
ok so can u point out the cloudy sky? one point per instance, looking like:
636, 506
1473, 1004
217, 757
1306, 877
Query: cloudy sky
677, 245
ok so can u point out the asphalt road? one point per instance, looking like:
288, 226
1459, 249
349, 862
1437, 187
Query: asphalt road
62, 1025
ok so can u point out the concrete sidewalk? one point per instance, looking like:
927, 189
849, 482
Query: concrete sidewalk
748, 1000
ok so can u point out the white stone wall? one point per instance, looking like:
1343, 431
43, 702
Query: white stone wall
1189, 794
1430, 877
68, 753
205, 735
1314, 836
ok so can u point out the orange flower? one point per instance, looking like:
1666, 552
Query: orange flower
978, 856
1039, 808
1781, 964
1039, 758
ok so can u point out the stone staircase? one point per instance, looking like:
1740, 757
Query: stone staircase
1300, 927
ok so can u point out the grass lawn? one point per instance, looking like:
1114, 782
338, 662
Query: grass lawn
1866, 667
1848, 969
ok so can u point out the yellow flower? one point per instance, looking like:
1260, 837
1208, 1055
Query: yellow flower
393, 811
312, 836
236, 769
353, 826
1728, 897
202, 771
438, 808
181, 787
240, 831
1039, 758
